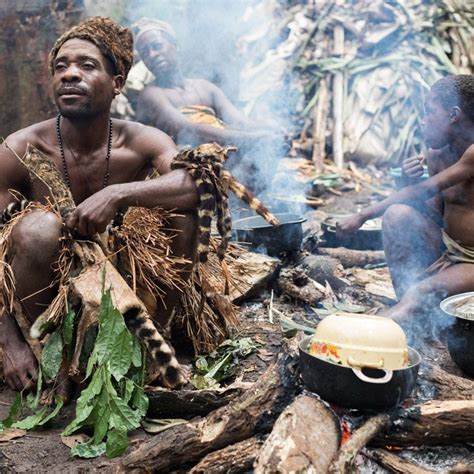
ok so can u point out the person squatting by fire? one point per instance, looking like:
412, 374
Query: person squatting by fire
426, 262
74, 173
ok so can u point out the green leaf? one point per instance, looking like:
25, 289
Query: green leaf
86, 402
136, 353
101, 415
52, 356
111, 325
122, 417
88, 450
55, 411
32, 402
31, 421
68, 332
117, 443
140, 401
12, 413
121, 354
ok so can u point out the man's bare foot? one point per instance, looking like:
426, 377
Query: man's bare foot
20, 367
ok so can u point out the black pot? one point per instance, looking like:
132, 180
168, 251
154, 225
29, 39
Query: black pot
460, 336
357, 388
285, 237
363, 239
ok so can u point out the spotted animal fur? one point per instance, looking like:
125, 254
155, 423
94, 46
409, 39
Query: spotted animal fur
12, 209
205, 164
138, 320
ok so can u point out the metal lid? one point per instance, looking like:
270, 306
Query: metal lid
460, 306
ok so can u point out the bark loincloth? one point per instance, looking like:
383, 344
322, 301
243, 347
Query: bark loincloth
202, 114
454, 253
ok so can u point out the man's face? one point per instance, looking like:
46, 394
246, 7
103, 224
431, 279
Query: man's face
436, 123
157, 52
83, 80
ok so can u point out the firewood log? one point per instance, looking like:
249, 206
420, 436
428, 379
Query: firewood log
253, 412
354, 258
395, 464
233, 459
305, 438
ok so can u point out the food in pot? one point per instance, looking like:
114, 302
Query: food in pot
462, 307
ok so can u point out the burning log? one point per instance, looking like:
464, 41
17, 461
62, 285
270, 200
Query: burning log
396, 464
450, 387
238, 457
354, 258
357, 441
433, 423
294, 283
253, 412
305, 438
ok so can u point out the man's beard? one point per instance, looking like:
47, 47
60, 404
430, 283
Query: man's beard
82, 112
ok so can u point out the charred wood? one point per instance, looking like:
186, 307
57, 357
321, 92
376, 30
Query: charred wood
433, 423
253, 412
354, 258
395, 464
357, 441
294, 283
306, 437
233, 459
450, 387
187, 404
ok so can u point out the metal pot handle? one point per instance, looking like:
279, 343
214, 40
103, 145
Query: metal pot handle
385, 379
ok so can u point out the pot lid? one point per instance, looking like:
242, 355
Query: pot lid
460, 306
371, 224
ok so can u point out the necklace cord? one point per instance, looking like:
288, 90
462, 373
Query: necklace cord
67, 178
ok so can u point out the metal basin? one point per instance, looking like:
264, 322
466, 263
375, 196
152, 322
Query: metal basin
285, 237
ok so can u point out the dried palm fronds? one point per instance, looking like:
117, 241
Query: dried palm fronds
143, 242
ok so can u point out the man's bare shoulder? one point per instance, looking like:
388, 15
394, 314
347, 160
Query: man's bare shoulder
143, 138
38, 135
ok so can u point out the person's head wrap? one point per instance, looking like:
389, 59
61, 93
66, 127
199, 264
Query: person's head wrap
114, 41
143, 25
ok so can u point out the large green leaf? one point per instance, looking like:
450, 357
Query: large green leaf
121, 355
117, 443
12, 413
88, 450
31, 421
51, 356
68, 332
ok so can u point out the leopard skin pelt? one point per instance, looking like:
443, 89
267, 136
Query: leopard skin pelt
205, 164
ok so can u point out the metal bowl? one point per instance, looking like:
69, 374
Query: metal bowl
285, 237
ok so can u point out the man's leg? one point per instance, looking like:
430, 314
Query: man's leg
427, 294
34, 245
183, 245
412, 242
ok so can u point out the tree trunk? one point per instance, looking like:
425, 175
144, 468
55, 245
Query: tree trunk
305, 438
253, 412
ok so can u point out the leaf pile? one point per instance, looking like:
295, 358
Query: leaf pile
218, 366
114, 402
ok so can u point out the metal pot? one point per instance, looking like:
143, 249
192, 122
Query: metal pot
285, 237
366, 238
365, 388
460, 334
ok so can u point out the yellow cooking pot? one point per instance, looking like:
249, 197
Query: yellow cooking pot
360, 341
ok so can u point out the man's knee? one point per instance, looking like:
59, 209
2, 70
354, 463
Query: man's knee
36, 235
398, 215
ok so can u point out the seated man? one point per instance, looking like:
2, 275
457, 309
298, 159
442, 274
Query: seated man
424, 260
103, 162
191, 111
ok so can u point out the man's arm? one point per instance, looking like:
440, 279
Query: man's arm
455, 174
155, 107
173, 190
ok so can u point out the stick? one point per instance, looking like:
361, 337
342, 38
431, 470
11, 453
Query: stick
357, 441
338, 98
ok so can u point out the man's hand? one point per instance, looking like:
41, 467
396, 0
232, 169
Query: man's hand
19, 365
349, 225
412, 167
95, 213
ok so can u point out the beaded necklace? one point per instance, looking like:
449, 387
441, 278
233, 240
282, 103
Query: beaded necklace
63, 157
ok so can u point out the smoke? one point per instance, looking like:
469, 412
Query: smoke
243, 48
